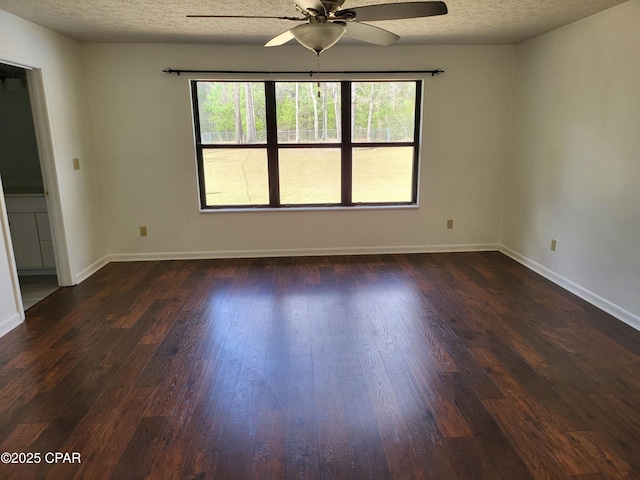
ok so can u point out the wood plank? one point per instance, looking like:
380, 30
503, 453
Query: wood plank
270, 452
135, 461
329, 409
533, 432
396, 438
107, 438
302, 423
365, 447
495, 443
335, 462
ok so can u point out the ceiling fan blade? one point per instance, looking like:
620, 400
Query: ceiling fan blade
246, 16
370, 34
281, 39
397, 11
305, 5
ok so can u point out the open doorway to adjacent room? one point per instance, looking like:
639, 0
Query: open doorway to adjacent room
24, 190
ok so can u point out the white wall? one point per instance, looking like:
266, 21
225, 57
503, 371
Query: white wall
144, 144
574, 159
60, 61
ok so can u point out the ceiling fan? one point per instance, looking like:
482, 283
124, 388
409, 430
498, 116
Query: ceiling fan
326, 22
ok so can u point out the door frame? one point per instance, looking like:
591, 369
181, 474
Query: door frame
44, 141
45, 145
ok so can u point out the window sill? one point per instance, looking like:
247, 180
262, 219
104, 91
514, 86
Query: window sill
357, 208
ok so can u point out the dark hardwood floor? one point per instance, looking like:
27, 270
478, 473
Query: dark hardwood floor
443, 366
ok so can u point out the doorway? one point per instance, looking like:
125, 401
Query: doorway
24, 189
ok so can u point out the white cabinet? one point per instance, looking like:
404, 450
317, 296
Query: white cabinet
26, 244
30, 232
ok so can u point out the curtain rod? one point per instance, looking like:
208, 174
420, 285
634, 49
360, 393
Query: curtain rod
433, 73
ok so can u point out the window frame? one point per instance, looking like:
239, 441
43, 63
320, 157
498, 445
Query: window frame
346, 145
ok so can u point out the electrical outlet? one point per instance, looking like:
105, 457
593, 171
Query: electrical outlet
553, 245
76, 164
449, 224
143, 231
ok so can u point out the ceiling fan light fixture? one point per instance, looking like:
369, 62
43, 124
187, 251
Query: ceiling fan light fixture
318, 37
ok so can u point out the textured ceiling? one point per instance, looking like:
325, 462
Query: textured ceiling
163, 21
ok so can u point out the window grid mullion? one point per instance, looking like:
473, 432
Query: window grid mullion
272, 144
346, 152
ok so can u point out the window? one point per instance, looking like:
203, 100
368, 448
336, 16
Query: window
306, 144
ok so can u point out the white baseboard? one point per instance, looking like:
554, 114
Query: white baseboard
302, 252
10, 323
91, 269
587, 295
